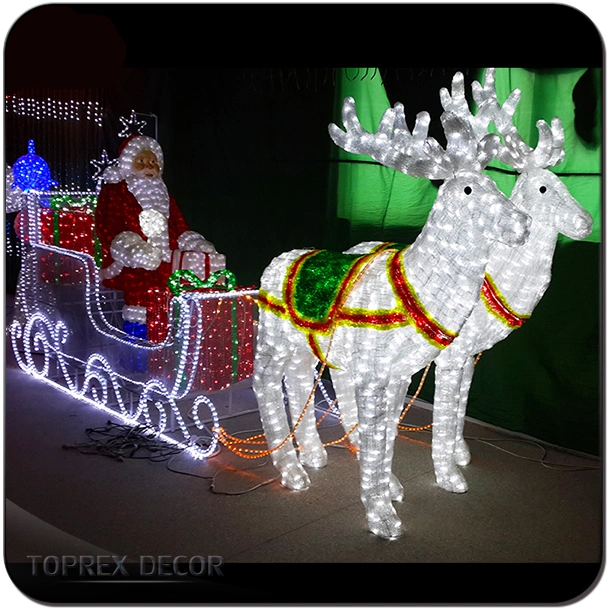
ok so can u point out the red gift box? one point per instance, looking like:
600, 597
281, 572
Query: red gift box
69, 229
227, 346
226, 350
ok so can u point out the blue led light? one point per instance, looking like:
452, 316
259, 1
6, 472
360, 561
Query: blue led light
31, 172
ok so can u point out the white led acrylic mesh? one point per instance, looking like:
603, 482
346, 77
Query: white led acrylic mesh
516, 278
515, 281
439, 276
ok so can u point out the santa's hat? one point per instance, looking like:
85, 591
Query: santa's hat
130, 147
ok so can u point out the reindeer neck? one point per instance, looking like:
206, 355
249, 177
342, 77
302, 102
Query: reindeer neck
446, 269
523, 273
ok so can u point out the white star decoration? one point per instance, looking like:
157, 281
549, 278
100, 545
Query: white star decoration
131, 125
102, 164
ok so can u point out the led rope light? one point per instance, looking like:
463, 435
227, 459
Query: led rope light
93, 372
41, 333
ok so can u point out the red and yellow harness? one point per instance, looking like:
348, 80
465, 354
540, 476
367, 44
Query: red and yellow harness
409, 309
497, 305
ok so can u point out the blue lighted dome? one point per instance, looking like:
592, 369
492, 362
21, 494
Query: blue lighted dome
31, 172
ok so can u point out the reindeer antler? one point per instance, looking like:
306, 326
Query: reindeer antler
391, 145
469, 145
515, 151
457, 104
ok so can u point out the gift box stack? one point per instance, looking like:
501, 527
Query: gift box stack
226, 344
67, 224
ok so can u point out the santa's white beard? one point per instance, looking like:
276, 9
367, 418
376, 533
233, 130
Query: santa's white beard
151, 193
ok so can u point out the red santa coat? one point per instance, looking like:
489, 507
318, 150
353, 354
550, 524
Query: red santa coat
117, 211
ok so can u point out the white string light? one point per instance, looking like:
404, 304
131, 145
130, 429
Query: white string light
41, 110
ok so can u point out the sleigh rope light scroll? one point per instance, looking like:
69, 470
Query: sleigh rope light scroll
373, 363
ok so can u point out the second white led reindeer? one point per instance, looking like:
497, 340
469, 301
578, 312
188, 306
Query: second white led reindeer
515, 279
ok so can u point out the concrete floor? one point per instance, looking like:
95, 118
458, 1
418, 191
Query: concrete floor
517, 514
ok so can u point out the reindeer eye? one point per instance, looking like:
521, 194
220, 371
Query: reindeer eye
468, 190
543, 189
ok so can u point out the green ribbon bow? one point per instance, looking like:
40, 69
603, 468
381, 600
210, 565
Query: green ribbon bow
193, 282
65, 203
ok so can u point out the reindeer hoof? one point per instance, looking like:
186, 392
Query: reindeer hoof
294, 476
397, 492
450, 479
384, 522
315, 456
461, 455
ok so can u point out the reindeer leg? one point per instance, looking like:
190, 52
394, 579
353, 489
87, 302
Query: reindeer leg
299, 384
461, 451
343, 385
398, 392
346, 399
375, 443
269, 365
446, 404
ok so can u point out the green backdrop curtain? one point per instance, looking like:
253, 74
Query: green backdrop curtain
545, 379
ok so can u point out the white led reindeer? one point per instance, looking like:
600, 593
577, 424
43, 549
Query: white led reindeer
515, 279
392, 314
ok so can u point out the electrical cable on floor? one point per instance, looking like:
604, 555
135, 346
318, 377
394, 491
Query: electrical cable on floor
542, 460
121, 441
223, 469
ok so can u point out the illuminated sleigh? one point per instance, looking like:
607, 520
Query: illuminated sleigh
67, 331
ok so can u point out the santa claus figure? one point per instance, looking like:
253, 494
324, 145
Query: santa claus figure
139, 225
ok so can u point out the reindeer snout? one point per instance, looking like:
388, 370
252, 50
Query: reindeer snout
518, 229
584, 226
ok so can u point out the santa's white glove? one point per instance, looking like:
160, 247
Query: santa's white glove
130, 250
191, 241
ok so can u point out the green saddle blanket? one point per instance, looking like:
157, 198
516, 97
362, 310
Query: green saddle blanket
318, 282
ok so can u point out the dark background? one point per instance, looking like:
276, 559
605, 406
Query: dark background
247, 152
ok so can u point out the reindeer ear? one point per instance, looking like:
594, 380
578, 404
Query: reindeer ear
488, 148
